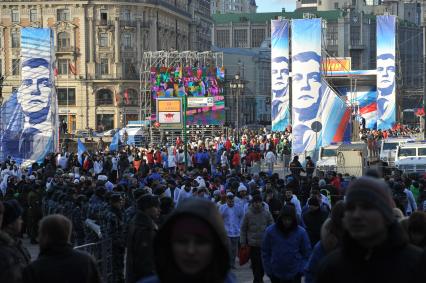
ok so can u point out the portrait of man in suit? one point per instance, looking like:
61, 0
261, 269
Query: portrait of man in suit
385, 89
279, 77
29, 131
307, 93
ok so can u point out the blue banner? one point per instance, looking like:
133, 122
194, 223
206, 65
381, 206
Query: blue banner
80, 150
386, 26
29, 128
113, 146
280, 112
306, 83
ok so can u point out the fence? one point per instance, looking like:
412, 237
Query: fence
102, 253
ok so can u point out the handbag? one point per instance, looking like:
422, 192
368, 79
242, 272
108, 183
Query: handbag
244, 254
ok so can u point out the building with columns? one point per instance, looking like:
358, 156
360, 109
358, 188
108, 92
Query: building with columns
99, 48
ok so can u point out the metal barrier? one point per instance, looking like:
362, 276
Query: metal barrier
102, 253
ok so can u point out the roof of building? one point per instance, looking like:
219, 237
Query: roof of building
264, 17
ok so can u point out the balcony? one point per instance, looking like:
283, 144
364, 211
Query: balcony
105, 23
65, 49
128, 23
357, 44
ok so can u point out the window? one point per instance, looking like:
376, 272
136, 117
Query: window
126, 15
64, 40
15, 16
104, 66
222, 38
257, 36
129, 69
16, 67
15, 40
63, 66
127, 40
336, 5
103, 39
407, 152
105, 122
66, 95
63, 15
104, 16
104, 97
33, 15
332, 35
240, 38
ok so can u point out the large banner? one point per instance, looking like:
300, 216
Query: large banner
306, 83
386, 26
280, 112
29, 118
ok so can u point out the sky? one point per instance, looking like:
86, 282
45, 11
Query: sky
275, 5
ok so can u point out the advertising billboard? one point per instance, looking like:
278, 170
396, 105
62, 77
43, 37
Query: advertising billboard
386, 70
169, 113
280, 112
29, 118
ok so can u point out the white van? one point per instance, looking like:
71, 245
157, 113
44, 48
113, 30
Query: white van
327, 158
388, 149
411, 157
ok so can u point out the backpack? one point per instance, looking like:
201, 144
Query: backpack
401, 200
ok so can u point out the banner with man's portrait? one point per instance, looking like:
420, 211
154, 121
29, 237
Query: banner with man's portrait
29, 118
306, 83
280, 106
386, 70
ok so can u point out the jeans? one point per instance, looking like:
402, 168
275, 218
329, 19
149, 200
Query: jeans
256, 264
233, 247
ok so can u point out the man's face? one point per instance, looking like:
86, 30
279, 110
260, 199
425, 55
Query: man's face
363, 221
230, 201
279, 76
386, 73
34, 92
307, 85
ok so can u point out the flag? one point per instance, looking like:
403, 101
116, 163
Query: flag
126, 96
72, 68
114, 143
80, 150
55, 72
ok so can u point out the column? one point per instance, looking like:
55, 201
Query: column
117, 41
139, 44
91, 40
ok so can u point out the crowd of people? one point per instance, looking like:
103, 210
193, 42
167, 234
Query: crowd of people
168, 217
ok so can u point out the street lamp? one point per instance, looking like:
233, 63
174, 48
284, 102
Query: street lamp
238, 85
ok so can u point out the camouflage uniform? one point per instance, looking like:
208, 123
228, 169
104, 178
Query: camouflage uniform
113, 228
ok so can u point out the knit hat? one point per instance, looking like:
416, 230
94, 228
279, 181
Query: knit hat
374, 192
242, 188
12, 211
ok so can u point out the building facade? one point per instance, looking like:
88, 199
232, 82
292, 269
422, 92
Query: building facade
99, 48
233, 6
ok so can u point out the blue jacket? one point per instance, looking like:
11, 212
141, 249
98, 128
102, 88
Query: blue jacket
318, 253
285, 257
232, 218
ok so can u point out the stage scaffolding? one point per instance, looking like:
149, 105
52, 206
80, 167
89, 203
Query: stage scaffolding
147, 103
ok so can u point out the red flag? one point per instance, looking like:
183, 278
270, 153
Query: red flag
126, 96
72, 68
55, 72
420, 112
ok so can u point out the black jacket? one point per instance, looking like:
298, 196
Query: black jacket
140, 254
395, 261
13, 258
313, 221
62, 264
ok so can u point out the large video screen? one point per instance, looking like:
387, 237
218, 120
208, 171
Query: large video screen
190, 81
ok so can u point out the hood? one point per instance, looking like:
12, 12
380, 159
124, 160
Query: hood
207, 212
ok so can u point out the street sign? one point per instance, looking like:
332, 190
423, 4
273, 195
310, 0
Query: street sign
196, 102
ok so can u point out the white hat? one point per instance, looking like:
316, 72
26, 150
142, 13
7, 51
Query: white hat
242, 188
31, 177
102, 178
200, 181
76, 181
109, 186
229, 194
